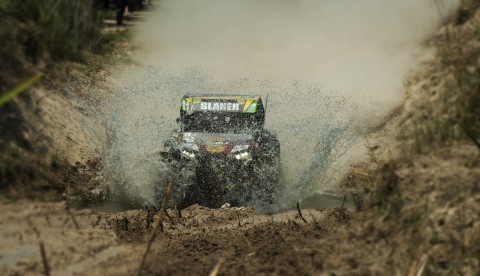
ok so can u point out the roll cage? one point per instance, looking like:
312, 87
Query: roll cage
221, 114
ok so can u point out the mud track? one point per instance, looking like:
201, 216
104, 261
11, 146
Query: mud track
112, 244
426, 215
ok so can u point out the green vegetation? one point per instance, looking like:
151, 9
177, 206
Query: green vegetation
42, 37
28, 174
110, 54
37, 32
7, 96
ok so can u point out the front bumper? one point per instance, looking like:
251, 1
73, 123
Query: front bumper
225, 165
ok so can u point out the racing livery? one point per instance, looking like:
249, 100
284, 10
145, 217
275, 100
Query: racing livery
222, 151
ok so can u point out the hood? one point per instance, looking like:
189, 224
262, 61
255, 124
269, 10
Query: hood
216, 143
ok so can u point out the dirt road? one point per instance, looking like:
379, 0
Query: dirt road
414, 227
422, 212
112, 244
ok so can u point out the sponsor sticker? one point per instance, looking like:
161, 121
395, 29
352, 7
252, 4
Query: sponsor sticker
215, 148
219, 106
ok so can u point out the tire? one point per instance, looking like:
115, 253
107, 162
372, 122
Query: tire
266, 185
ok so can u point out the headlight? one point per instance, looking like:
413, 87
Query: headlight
187, 154
191, 147
242, 155
238, 148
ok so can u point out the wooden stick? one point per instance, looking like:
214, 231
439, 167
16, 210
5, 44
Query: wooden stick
44, 259
217, 267
168, 216
157, 223
72, 216
300, 212
342, 213
422, 264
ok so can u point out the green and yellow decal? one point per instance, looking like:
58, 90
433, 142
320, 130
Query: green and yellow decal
250, 106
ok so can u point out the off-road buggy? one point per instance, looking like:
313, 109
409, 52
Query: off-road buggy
222, 153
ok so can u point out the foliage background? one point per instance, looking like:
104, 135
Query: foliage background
35, 33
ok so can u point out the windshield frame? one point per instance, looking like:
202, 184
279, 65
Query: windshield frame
221, 122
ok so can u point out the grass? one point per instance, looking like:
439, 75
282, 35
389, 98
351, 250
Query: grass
105, 52
384, 195
10, 166
7, 96
370, 150
35, 33
446, 104
16, 171
37, 36
106, 41
453, 115
454, 266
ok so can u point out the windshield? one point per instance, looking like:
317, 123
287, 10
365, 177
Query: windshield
221, 122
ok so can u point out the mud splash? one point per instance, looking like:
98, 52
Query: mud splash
142, 116
330, 72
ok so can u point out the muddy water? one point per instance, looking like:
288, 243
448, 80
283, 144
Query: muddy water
314, 201
142, 115
330, 71
320, 200
113, 205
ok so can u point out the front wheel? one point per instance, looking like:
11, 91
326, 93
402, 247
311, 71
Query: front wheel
266, 185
